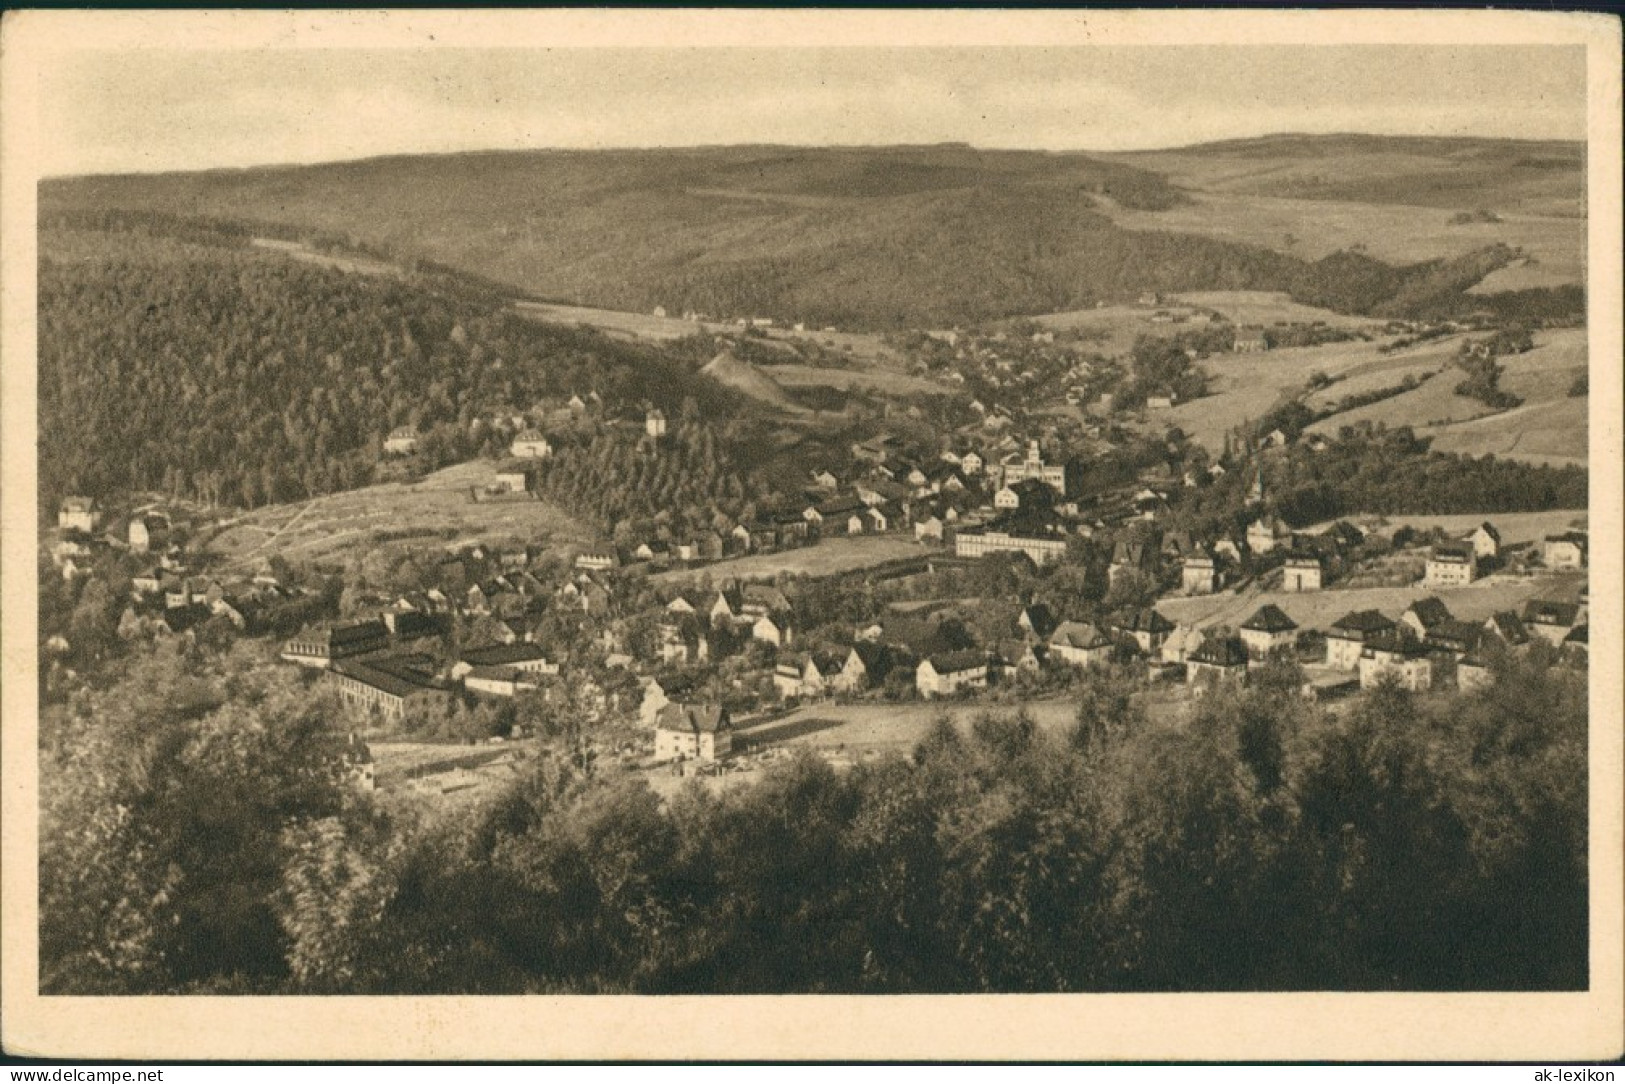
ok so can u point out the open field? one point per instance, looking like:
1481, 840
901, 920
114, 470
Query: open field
636, 324
1318, 609
1527, 275
824, 558
861, 346
1263, 308
438, 510
890, 726
1396, 232
883, 381
1115, 327
1246, 386
1377, 376
1550, 427
1546, 434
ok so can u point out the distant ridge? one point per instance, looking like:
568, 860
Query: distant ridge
867, 238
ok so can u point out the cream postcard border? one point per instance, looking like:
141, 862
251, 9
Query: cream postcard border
1183, 1027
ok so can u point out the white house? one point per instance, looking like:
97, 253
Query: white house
1269, 629
1345, 640
1565, 550
692, 731
77, 514
770, 632
1263, 535
1080, 644
530, 444
1399, 657
402, 441
929, 528
1301, 572
944, 675
1486, 541
1450, 564
1199, 575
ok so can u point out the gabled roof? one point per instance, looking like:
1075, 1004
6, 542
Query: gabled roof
1453, 552
1040, 618
1270, 618
1464, 633
350, 634
1365, 622
504, 655
1079, 635
1488, 528
840, 505
876, 658
956, 662
1147, 620
1226, 652
693, 718
1430, 611
761, 594
1508, 626
1545, 612
1392, 643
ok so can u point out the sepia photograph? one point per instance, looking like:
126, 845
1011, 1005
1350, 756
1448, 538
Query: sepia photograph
597, 513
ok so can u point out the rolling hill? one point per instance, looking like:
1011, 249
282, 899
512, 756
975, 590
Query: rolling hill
886, 237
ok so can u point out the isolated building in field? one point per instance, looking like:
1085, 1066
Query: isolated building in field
1199, 575
1302, 572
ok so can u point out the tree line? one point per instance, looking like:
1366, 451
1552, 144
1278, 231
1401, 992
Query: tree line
194, 843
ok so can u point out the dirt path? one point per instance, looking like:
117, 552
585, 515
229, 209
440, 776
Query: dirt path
279, 532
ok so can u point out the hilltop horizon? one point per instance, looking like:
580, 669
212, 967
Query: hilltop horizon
1268, 138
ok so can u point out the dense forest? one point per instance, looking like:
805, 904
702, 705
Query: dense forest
198, 836
190, 365
880, 238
